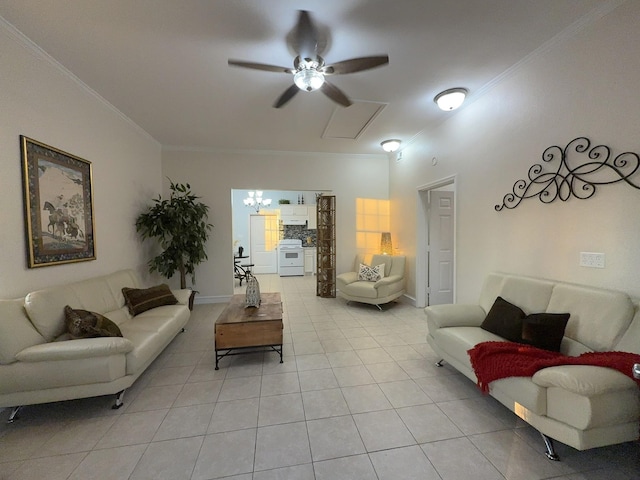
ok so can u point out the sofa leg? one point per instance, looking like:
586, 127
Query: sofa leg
379, 307
119, 400
551, 451
14, 414
440, 362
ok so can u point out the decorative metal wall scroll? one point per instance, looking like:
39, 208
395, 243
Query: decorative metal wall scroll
573, 177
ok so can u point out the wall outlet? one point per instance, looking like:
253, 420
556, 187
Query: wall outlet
592, 259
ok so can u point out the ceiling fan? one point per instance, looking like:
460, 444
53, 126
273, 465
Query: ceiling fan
309, 69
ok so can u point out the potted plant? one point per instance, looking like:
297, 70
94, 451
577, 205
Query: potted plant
179, 223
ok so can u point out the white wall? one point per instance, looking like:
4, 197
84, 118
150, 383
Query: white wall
41, 100
583, 86
213, 175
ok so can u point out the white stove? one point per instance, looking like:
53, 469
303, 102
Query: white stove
290, 258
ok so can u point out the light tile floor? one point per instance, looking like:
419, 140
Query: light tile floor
357, 397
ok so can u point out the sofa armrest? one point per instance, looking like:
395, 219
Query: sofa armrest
75, 349
346, 278
387, 281
585, 380
182, 295
455, 315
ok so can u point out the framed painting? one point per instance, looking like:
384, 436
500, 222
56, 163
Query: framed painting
58, 201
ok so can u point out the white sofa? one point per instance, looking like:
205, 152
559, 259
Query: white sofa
581, 406
39, 364
385, 290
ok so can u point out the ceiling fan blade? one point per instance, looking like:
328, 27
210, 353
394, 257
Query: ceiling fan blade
260, 66
304, 36
335, 94
288, 94
355, 65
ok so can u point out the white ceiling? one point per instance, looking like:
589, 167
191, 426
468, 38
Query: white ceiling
163, 63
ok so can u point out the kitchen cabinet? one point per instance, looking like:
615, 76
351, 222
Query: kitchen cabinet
313, 219
310, 260
297, 210
294, 214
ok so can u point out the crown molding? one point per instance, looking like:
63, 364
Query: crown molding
286, 153
571, 31
21, 39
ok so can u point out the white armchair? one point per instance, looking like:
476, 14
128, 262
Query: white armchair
378, 292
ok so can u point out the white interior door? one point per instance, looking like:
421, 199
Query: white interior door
263, 233
441, 239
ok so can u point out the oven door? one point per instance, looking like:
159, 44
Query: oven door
291, 257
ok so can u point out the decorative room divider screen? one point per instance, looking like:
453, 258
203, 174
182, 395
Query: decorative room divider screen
326, 253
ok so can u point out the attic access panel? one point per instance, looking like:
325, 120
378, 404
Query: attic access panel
351, 122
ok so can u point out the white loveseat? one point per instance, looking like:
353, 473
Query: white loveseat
39, 364
581, 406
377, 293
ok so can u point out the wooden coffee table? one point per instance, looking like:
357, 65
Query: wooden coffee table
242, 330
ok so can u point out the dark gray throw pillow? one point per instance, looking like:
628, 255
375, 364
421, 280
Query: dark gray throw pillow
544, 330
505, 320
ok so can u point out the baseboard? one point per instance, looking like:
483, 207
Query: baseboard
409, 300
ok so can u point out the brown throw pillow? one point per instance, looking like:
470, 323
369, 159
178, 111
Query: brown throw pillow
86, 324
544, 330
140, 300
505, 320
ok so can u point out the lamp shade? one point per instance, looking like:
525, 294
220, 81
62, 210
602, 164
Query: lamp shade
385, 243
451, 99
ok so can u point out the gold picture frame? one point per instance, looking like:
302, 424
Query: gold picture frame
58, 202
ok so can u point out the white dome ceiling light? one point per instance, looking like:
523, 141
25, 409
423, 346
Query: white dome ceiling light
390, 146
451, 99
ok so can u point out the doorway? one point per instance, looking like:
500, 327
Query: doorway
263, 241
436, 241
260, 240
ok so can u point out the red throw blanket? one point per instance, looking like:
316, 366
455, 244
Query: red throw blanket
495, 360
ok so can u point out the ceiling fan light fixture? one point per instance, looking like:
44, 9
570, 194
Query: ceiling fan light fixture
390, 146
451, 99
309, 68
308, 79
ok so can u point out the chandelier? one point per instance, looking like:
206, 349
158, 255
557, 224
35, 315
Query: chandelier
256, 201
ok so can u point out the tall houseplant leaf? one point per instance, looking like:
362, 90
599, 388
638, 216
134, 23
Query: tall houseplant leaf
179, 224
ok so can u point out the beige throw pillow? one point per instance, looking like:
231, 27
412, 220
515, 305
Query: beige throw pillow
370, 274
